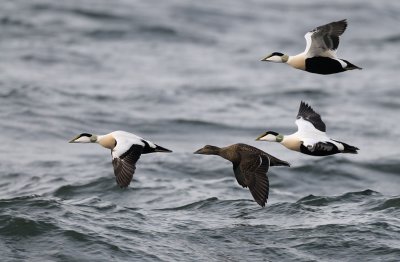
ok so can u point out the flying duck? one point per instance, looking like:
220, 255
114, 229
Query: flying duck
319, 57
310, 137
126, 149
250, 166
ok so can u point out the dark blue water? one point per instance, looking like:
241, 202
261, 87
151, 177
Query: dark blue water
184, 74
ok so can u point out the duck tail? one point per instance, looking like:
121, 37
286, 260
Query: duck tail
273, 161
161, 149
350, 66
348, 148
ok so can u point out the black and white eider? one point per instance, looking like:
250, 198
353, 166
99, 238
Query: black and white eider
250, 166
126, 149
310, 137
319, 57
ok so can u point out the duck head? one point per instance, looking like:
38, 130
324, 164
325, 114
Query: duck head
276, 57
208, 150
84, 138
270, 136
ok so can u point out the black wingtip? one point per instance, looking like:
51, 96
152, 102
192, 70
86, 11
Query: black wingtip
336, 28
344, 22
349, 149
307, 113
305, 107
261, 203
302, 103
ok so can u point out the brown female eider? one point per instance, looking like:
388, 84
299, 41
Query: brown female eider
250, 166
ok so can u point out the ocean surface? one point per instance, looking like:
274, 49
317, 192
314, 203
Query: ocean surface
184, 74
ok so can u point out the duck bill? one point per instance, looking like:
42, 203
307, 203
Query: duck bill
199, 152
259, 137
73, 139
265, 59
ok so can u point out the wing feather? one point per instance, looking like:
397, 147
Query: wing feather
125, 165
324, 40
239, 176
254, 168
308, 114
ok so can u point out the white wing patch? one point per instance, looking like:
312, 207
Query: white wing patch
324, 40
307, 129
344, 64
308, 41
338, 145
309, 142
309, 135
124, 141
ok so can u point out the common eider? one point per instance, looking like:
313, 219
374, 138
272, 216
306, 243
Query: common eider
320, 54
250, 166
310, 138
126, 149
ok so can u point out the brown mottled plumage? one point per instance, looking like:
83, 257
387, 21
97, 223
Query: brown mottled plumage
250, 166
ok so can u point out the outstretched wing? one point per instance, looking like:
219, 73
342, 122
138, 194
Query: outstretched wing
307, 116
253, 170
239, 176
324, 40
125, 165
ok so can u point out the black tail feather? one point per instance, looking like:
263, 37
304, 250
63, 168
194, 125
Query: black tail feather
161, 149
348, 148
350, 66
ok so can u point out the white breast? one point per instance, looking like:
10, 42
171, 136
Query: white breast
297, 61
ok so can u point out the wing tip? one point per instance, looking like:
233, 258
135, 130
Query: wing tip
262, 202
340, 25
305, 107
308, 114
344, 25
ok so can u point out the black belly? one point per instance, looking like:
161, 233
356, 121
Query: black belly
319, 151
323, 65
